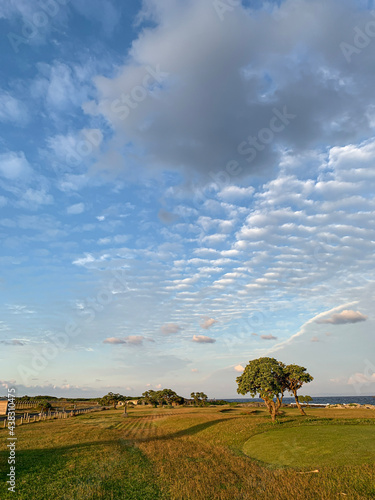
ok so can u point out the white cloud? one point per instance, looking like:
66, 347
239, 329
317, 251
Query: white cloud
170, 328
202, 339
268, 337
14, 166
346, 316
236, 193
12, 110
76, 209
207, 323
131, 340
84, 260
239, 368
359, 379
19, 309
61, 86
134, 339
305, 326
33, 198
114, 340
12, 342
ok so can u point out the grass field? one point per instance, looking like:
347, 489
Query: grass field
193, 453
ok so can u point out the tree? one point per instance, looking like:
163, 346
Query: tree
305, 399
151, 397
170, 396
296, 376
200, 398
112, 399
266, 377
44, 406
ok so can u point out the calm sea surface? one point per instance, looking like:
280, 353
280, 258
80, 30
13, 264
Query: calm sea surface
320, 400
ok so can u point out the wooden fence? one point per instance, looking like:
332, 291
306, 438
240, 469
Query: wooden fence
26, 418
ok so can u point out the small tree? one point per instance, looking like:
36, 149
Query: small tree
305, 399
200, 398
45, 407
266, 377
194, 395
296, 376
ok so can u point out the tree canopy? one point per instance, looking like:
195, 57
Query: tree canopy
164, 396
297, 376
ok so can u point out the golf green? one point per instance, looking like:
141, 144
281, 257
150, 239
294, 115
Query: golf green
314, 445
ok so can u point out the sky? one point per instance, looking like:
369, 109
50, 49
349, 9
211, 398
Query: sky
186, 186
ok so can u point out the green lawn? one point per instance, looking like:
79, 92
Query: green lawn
194, 454
313, 446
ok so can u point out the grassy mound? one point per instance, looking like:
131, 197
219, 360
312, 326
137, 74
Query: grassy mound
314, 446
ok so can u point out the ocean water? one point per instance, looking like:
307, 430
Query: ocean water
317, 400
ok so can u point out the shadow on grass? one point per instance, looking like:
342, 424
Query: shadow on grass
31, 460
190, 431
95, 469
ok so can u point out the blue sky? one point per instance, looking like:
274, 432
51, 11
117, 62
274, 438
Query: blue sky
185, 186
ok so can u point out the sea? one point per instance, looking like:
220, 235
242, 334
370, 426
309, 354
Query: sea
316, 400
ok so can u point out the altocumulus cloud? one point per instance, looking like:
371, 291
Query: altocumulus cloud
170, 328
346, 316
131, 339
76, 209
12, 342
207, 323
202, 339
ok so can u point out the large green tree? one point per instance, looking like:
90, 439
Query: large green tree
266, 377
296, 376
169, 396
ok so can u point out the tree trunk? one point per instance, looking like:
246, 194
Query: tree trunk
273, 412
271, 409
302, 411
278, 404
